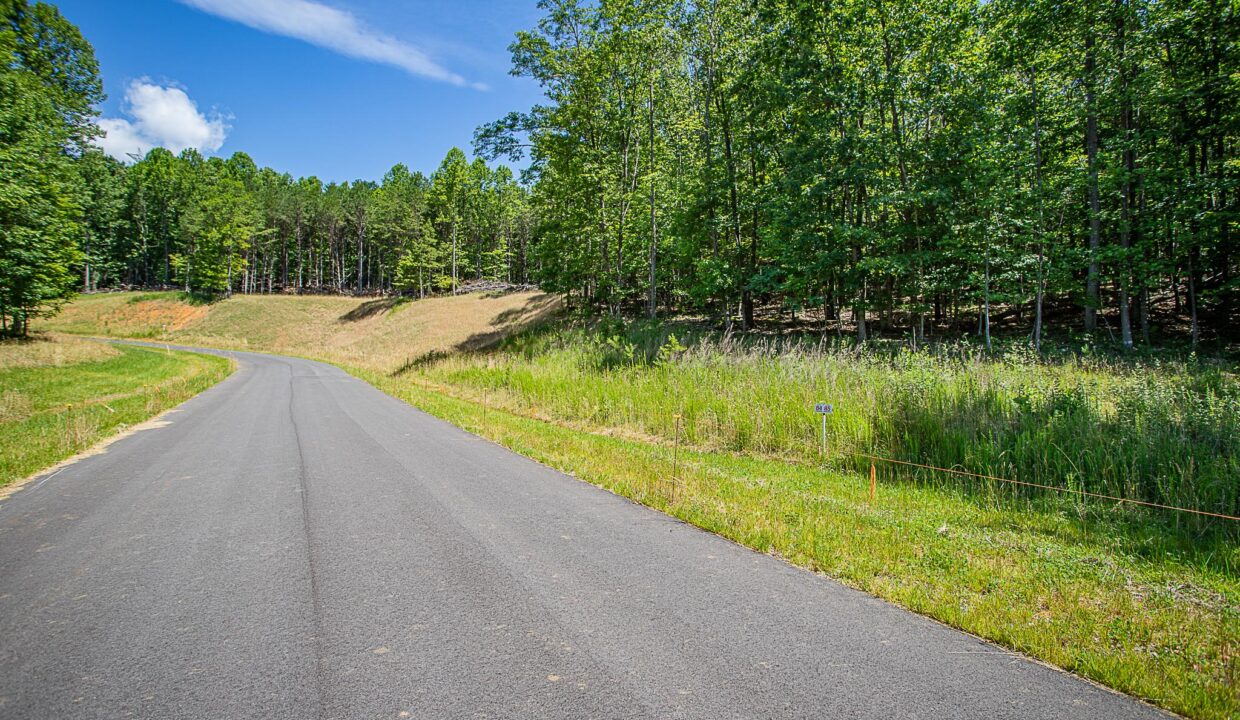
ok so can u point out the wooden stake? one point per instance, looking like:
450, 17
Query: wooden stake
676, 460
873, 480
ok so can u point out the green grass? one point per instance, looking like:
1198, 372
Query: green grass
1162, 430
51, 410
1085, 589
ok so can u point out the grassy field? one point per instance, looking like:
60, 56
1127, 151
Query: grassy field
60, 395
1135, 599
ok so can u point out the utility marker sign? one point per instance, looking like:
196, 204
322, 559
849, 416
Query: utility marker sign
824, 409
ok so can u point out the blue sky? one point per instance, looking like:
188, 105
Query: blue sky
341, 89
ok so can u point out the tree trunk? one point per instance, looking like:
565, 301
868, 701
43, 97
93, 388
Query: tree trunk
86, 264
1126, 196
986, 298
300, 257
859, 315
1037, 149
1192, 293
734, 209
361, 236
651, 292
1145, 315
1092, 283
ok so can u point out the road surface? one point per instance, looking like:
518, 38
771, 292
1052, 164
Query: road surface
296, 544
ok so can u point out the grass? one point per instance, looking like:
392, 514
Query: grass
60, 395
377, 333
1131, 598
1163, 430
1087, 594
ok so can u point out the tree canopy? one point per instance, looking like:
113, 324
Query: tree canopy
220, 226
895, 164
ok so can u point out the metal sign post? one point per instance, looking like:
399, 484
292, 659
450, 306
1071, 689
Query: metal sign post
824, 409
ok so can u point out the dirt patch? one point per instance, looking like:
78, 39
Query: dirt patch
169, 316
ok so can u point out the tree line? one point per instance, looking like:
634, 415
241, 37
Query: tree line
888, 163
874, 165
221, 226
74, 219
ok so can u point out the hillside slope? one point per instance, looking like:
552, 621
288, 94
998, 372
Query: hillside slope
377, 334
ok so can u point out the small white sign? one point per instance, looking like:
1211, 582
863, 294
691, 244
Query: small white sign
824, 408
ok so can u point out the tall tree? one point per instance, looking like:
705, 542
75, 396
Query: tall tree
451, 195
49, 85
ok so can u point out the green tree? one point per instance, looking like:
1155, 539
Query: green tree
451, 195
48, 86
103, 245
398, 214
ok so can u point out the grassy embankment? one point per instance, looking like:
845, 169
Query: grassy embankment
1142, 603
377, 334
59, 395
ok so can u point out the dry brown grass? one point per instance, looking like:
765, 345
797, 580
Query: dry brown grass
54, 349
383, 334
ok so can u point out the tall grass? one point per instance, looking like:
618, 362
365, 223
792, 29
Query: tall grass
1159, 431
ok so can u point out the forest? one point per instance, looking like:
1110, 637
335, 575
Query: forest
875, 166
216, 226
889, 164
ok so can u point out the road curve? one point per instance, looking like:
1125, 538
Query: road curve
296, 544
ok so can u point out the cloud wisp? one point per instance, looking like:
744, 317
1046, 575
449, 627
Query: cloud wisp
160, 116
333, 29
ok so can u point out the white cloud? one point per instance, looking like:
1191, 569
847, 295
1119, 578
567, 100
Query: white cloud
331, 28
161, 116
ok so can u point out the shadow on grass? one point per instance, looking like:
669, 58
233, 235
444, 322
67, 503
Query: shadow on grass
193, 297
421, 361
535, 311
371, 308
34, 337
527, 318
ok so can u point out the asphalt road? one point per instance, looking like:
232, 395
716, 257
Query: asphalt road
296, 544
